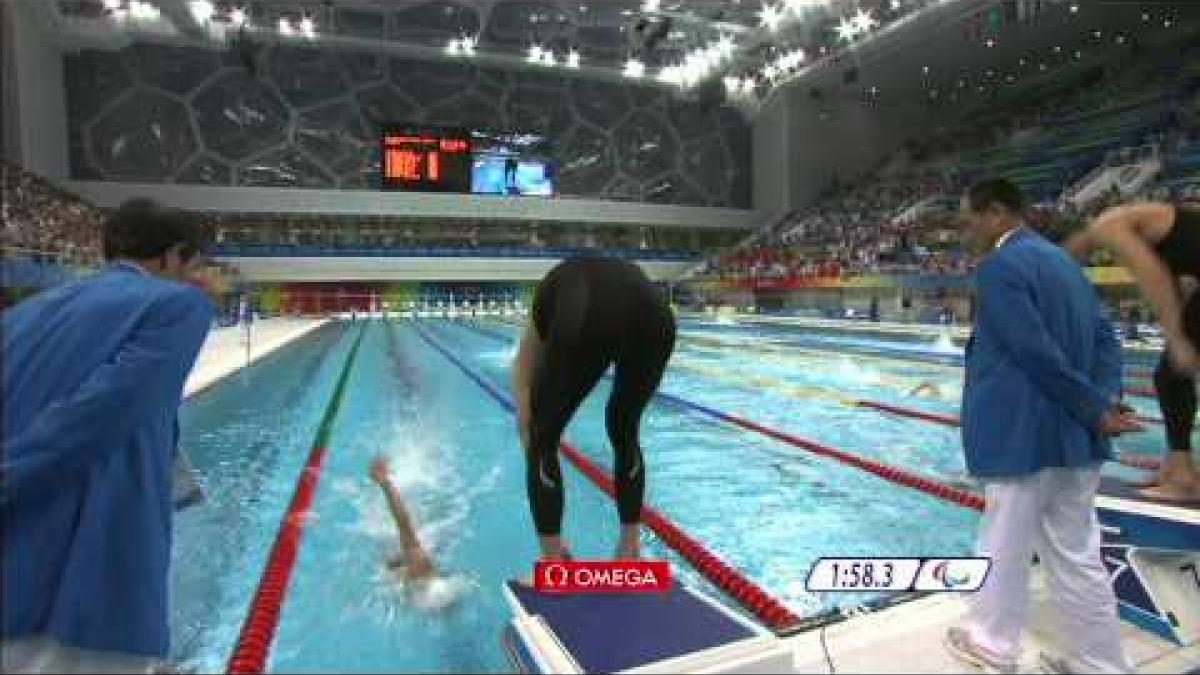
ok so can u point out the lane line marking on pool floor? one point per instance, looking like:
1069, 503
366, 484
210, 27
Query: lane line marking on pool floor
255, 640
747, 593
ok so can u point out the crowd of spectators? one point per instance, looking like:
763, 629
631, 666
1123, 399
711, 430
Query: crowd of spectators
46, 222
901, 217
373, 232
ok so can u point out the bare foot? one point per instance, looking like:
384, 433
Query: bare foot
629, 546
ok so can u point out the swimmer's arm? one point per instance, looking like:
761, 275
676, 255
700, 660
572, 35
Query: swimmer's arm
404, 524
527, 357
1118, 229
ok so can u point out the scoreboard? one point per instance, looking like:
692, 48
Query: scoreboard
426, 159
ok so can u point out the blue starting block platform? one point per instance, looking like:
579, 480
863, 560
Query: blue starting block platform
1152, 551
677, 631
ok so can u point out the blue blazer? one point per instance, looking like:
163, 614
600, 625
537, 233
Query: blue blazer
1043, 364
92, 385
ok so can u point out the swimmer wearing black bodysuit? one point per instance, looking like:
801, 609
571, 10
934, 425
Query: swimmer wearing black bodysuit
1160, 244
1180, 251
589, 313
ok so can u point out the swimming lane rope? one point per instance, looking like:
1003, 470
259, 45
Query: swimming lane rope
748, 594
887, 472
258, 631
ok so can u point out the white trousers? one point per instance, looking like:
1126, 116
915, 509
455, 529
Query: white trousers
1052, 513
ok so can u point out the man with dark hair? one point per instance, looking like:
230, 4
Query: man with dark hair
93, 377
1040, 401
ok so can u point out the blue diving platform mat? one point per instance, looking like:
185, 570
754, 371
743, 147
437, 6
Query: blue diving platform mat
614, 632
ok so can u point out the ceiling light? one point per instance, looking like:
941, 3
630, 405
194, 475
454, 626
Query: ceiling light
237, 17
770, 16
548, 58
113, 5
453, 47
308, 27
1074, 8
865, 21
572, 59
650, 6
202, 11
634, 69
847, 30
534, 55
285, 26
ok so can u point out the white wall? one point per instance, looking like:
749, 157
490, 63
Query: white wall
35, 64
413, 269
772, 192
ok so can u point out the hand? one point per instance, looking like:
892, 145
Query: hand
381, 470
1184, 357
1116, 422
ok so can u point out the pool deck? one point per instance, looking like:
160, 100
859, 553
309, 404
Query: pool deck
224, 352
907, 638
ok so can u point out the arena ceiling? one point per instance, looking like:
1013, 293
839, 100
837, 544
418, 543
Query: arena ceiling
743, 50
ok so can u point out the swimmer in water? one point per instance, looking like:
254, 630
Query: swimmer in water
415, 562
926, 390
426, 587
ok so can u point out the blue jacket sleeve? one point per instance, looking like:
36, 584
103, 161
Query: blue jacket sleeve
101, 414
1007, 312
1109, 360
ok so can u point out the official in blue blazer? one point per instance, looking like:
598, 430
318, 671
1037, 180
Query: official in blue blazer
93, 377
1040, 402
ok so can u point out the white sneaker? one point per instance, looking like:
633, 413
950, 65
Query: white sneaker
963, 647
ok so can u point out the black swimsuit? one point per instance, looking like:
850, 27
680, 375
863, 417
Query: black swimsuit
1180, 251
590, 313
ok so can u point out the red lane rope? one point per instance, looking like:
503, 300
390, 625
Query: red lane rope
258, 632
896, 475
947, 420
750, 595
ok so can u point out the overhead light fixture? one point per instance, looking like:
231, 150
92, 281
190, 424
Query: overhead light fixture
847, 30
453, 47
308, 27
237, 17
113, 5
770, 16
650, 5
634, 69
467, 44
865, 21
572, 59
1074, 8
285, 26
202, 11
548, 58
534, 55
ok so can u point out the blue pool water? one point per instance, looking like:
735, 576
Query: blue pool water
768, 508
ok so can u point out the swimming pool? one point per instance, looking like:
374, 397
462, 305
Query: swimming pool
767, 508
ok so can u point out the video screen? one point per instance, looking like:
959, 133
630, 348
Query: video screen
426, 159
511, 164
